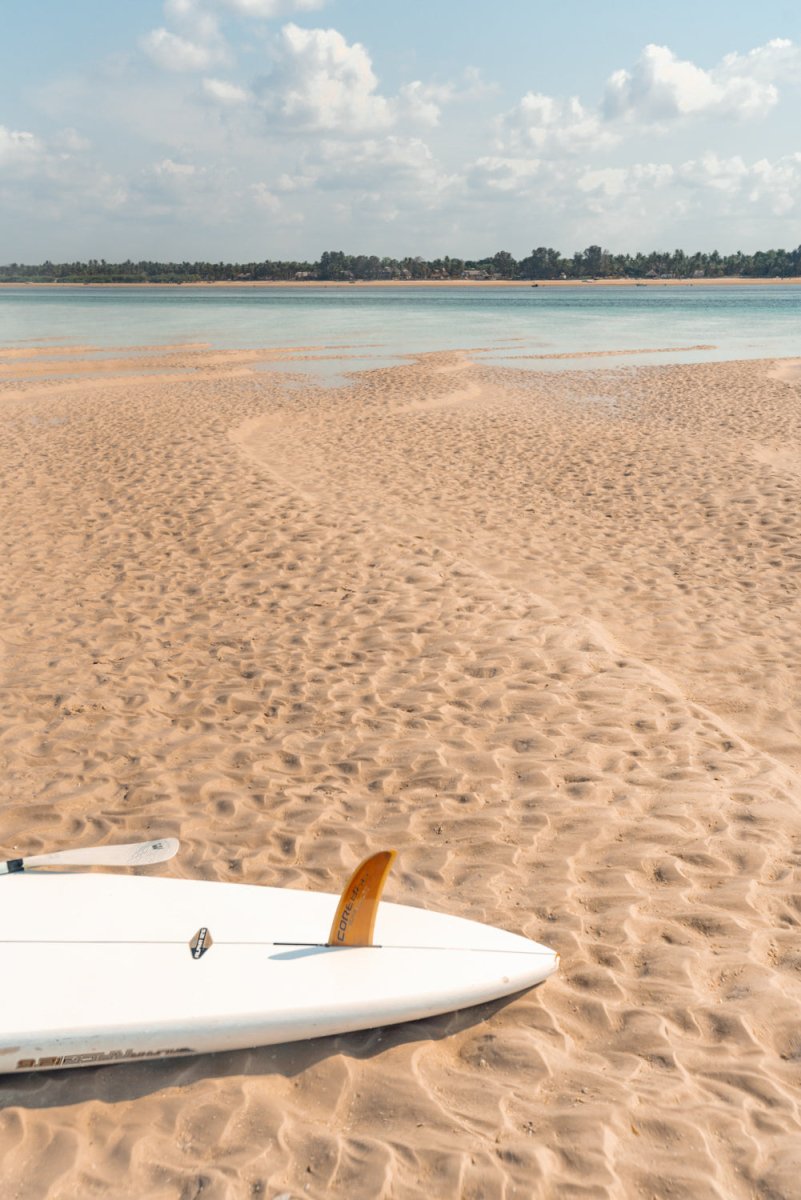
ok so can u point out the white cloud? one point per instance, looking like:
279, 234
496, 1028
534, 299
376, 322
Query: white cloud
552, 127
661, 87
373, 165
711, 171
53, 180
60, 160
374, 208
272, 8
174, 170
264, 198
315, 82
777, 60
774, 186
18, 148
371, 179
109, 191
225, 92
499, 175
621, 181
710, 187
321, 83
193, 19
475, 86
197, 46
406, 154
422, 102
199, 146
298, 182
71, 141
658, 90
178, 190
175, 53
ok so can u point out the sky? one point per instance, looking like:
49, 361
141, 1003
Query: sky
243, 130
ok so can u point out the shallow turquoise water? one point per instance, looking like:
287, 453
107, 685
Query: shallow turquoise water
377, 325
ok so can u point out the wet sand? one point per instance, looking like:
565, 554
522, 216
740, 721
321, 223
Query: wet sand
540, 633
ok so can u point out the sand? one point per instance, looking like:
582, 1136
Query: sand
683, 281
539, 632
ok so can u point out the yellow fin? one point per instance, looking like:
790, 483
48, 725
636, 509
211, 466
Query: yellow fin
356, 912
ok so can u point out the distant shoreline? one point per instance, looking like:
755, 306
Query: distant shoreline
472, 284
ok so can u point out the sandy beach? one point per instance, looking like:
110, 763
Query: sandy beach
541, 633
304, 284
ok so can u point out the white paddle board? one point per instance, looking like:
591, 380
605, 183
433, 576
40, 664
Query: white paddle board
113, 968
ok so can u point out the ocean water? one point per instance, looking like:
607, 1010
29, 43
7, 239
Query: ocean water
378, 326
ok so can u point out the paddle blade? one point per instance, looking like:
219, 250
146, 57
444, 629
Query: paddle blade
355, 917
132, 854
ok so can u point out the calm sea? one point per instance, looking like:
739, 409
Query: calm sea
378, 325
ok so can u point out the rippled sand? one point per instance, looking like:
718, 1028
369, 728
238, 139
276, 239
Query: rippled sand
542, 634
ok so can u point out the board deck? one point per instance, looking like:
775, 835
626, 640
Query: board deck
106, 971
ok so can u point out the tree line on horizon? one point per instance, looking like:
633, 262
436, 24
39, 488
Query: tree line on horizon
336, 266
